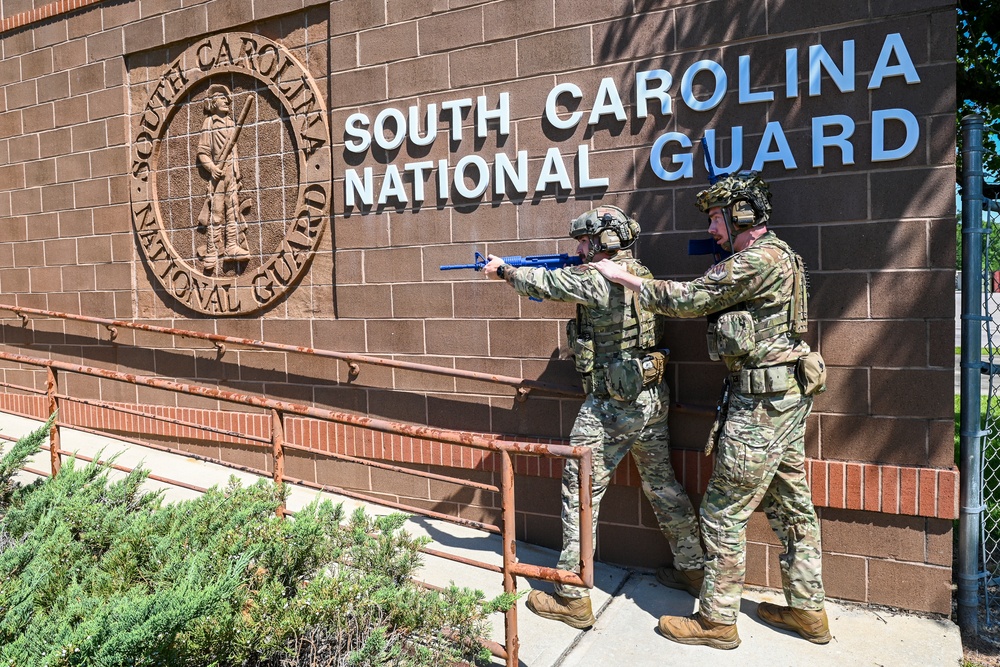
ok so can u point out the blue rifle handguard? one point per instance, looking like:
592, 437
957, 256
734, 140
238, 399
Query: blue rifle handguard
545, 261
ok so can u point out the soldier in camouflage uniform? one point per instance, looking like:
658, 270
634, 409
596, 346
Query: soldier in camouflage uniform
626, 406
756, 305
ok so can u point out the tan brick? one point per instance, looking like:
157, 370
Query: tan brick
60, 251
483, 64
53, 87
516, 17
54, 142
92, 193
141, 34
521, 338
70, 110
422, 300
228, 13
904, 294
451, 30
44, 279
891, 393
396, 336
845, 577
848, 343
575, 12
393, 265
874, 535
404, 10
104, 45
554, 51
20, 95
911, 586
886, 440
359, 86
47, 34
106, 103
185, 24
29, 254
11, 124
89, 136
355, 15
383, 45
68, 55
26, 202
398, 405
87, 79
744, 21
417, 76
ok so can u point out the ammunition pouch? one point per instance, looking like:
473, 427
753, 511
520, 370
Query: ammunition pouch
810, 371
583, 348
766, 380
731, 335
628, 376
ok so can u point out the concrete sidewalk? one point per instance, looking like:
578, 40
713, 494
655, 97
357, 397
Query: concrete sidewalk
627, 603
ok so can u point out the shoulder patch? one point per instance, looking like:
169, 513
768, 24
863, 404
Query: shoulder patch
581, 268
718, 272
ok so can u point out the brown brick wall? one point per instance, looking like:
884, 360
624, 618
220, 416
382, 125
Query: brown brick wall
75, 74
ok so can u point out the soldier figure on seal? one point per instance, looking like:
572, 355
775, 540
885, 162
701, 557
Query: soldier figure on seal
614, 343
756, 305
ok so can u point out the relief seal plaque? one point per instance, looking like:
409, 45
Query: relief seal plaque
230, 174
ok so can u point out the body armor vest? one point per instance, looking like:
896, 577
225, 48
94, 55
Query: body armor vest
735, 332
625, 327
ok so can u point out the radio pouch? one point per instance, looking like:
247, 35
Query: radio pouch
810, 371
734, 334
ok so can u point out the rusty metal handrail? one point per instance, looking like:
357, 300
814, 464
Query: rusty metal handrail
506, 449
522, 385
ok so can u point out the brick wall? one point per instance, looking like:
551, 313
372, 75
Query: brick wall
877, 236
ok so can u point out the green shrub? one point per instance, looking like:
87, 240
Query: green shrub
95, 572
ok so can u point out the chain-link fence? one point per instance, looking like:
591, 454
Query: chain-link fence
990, 391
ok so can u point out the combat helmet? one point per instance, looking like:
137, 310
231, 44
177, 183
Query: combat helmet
610, 229
748, 195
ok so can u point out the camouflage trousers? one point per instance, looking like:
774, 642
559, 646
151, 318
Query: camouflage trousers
760, 462
611, 429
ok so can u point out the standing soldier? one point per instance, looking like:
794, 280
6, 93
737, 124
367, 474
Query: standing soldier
626, 406
756, 304
217, 154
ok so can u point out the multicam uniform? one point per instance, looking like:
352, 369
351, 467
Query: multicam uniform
611, 427
760, 458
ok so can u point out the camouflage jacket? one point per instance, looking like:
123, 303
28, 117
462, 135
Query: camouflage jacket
758, 279
608, 307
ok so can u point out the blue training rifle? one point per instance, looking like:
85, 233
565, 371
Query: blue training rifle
545, 261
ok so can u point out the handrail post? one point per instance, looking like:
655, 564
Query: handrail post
586, 520
51, 391
278, 453
509, 537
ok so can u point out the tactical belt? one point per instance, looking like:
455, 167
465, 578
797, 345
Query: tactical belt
767, 380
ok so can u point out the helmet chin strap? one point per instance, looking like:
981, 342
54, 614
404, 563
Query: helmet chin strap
727, 215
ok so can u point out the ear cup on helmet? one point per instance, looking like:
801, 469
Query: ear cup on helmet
609, 241
743, 215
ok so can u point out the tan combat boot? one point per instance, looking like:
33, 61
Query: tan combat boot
811, 625
684, 580
699, 630
574, 612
